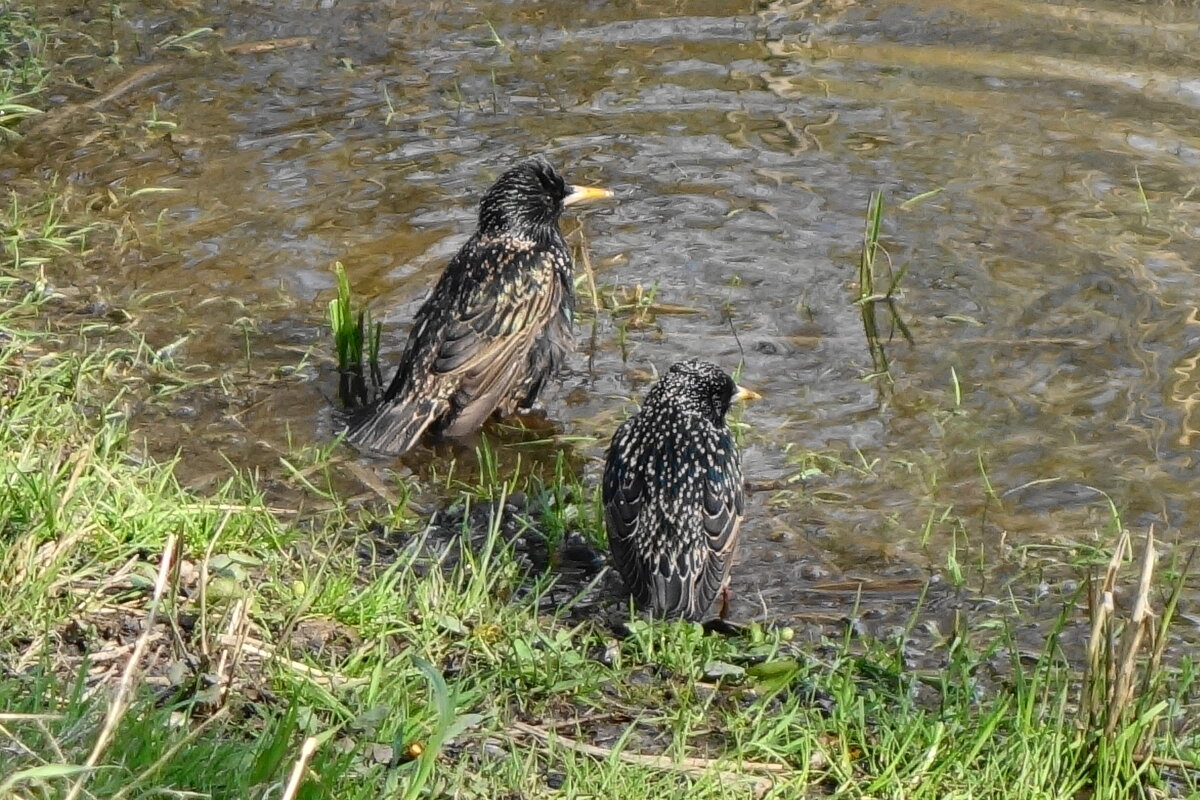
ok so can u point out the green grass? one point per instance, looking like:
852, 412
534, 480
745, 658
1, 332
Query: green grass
280, 640
22, 72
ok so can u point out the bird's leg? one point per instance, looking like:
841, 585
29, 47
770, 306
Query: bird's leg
723, 602
720, 624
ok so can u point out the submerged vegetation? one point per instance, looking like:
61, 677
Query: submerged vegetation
22, 71
356, 345
239, 641
870, 266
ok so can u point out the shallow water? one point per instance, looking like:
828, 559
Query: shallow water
1051, 279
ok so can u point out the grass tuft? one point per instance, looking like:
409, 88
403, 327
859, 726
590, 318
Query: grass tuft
22, 72
356, 343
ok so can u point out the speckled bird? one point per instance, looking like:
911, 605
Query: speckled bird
673, 494
496, 326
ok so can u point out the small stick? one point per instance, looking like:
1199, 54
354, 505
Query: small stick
53, 740
267, 652
208, 551
368, 479
1163, 761
775, 485
306, 751
46, 561
237, 630
567, 723
235, 507
267, 45
12, 717
19, 745
140, 76
120, 703
587, 268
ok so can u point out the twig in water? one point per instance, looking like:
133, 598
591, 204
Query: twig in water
267, 45
368, 479
775, 485
586, 258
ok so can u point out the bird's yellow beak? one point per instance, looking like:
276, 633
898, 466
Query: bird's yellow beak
586, 194
745, 394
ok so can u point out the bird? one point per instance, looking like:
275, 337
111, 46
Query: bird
673, 496
497, 325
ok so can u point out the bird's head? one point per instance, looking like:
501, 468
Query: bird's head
529, 196
705, 388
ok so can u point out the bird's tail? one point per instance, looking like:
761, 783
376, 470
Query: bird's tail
391, 427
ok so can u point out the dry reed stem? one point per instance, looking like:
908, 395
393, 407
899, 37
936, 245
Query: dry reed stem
53, 742
267, 45
120, 703
269, 653
1101, 609
204, 508
586, 258
45, 559
306, 752
203, 585
1140, 618
19, 745
237, 630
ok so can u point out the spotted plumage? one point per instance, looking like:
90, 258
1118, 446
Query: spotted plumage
495, 327
673, 494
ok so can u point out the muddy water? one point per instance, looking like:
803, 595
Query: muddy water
1051, 281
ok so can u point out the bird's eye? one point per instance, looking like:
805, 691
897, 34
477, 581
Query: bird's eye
551, 184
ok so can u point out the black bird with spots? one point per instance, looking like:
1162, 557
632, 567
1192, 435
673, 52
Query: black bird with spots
496, 326
673, 494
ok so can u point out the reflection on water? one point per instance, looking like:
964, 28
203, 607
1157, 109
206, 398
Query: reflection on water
1051, 278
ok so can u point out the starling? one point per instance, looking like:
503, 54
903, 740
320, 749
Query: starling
673, 494
497, 324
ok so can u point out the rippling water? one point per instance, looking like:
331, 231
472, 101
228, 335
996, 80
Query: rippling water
1051, 279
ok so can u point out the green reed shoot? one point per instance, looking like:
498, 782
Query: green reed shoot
353, 333
868, 296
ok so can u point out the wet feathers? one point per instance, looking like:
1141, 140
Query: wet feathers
494, 329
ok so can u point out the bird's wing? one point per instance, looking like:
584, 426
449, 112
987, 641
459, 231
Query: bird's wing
650, 542
724, 504
724, 498
485, 350
714, 505
466, 351
392, 427
623, 493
